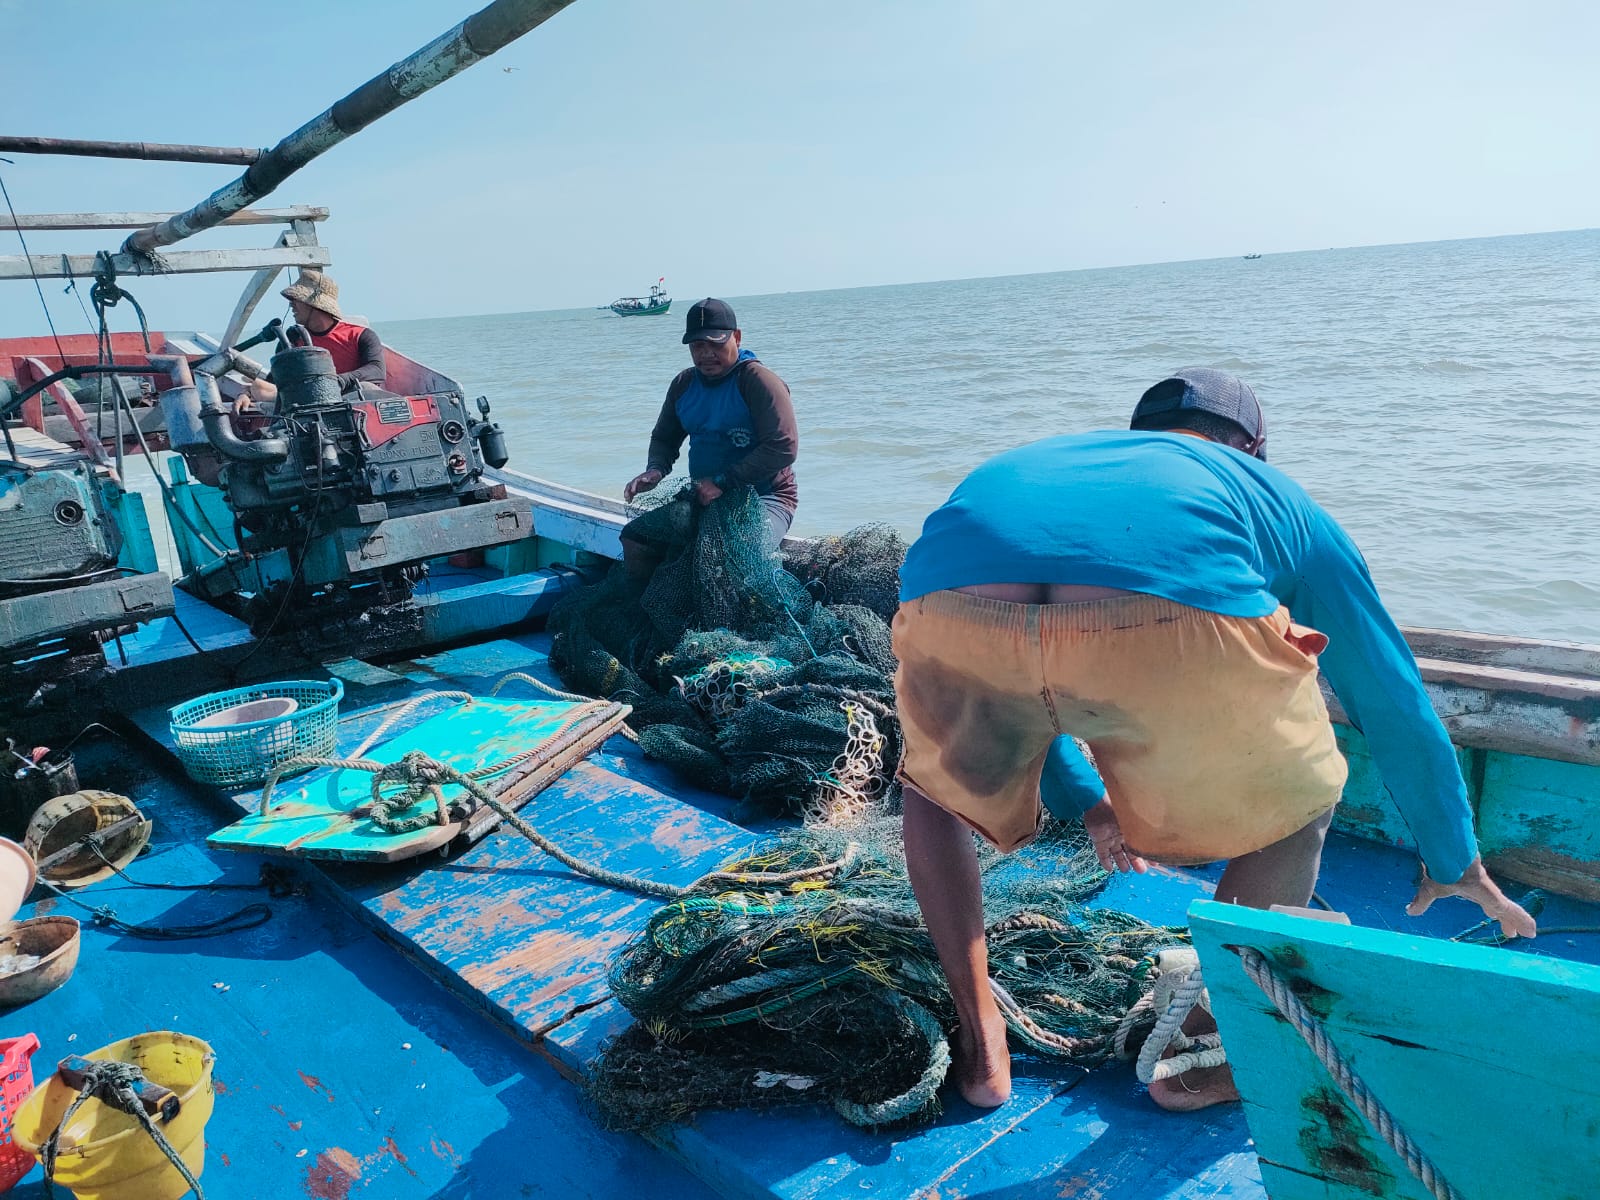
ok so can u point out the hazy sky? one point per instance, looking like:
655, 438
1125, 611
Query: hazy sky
741, 148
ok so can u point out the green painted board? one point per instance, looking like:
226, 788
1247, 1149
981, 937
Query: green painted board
1488, 1057
313, 816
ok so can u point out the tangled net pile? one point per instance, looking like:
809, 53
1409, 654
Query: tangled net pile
829, 990
773, 680
749, 675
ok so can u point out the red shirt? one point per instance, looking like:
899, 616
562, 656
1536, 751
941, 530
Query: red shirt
342, 341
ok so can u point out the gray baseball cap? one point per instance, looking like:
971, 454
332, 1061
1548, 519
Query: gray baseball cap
1203, 389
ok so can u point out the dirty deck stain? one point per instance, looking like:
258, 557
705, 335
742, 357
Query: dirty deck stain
226, 1161
315, 1084
218, 1086
443, 1150
330, 1177
397, 1154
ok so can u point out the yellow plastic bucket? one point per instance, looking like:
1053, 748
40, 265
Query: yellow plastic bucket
106, 1154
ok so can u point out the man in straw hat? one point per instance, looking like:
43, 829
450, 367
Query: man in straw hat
357, 352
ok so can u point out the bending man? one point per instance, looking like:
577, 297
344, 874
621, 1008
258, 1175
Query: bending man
1164, 595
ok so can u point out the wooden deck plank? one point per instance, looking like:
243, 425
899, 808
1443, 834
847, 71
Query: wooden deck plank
531, 939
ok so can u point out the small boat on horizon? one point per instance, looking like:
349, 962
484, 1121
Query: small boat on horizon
655, 303
1249, 257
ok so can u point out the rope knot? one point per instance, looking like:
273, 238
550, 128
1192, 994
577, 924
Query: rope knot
417, 767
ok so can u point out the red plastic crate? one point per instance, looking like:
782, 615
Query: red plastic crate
16, 1084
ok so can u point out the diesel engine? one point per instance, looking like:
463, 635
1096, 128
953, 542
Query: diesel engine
331, 491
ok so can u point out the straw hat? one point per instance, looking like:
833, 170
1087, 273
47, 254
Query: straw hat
317, 290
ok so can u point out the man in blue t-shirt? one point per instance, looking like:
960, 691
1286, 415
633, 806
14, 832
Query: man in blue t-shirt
740, 423
1166, 597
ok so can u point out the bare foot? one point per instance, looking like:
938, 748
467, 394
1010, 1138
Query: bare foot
1201, 1087
982, 1065
1196, 1089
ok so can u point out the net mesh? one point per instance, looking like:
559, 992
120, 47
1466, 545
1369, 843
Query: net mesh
772, 679
748, 674
830, 991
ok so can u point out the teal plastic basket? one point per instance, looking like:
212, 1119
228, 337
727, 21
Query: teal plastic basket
244, 753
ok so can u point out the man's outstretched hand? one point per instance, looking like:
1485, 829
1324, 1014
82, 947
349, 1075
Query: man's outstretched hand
1475, 885
1106, 834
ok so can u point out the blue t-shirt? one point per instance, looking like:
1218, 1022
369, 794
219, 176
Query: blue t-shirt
1208, 526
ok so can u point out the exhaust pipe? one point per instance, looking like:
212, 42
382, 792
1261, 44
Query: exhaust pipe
219, 430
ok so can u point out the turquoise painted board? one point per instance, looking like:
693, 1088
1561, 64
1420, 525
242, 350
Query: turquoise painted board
323, 815
1489, 1058
1536, 822
1366, 809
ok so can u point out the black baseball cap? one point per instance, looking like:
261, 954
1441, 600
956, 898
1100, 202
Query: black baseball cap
1201, 389
709, 321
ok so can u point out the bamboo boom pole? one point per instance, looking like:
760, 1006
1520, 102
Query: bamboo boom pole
234, 156
479, 36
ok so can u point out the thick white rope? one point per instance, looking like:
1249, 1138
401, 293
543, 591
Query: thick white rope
1151, 1067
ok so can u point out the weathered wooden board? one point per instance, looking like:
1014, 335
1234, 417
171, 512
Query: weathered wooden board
138, 220
1538, 819
327, 814
174, 262
1489, 1058
522, 935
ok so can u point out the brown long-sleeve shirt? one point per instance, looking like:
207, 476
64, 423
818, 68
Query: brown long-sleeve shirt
769, 464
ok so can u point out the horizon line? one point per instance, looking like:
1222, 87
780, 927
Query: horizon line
858, 287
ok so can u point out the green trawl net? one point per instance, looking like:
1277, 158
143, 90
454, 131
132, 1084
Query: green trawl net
747, 678
828, 990
814, 980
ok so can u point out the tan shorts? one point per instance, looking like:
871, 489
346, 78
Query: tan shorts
1209, 731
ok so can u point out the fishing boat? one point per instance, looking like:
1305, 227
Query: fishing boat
1251, 257
410, 1013
656, 303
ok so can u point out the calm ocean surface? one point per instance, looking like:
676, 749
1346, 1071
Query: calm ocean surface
1442, 400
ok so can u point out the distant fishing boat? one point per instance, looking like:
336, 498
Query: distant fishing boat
1248, 257
644, 306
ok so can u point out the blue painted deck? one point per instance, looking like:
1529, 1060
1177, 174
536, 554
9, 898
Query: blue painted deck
525, 943
342, 1071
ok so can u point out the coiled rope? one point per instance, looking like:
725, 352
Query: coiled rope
1168, 1032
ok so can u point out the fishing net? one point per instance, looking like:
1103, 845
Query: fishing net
829, 990
749, 675
772, 679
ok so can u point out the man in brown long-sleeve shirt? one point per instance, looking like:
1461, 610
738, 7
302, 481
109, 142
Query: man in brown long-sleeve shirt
737, 416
